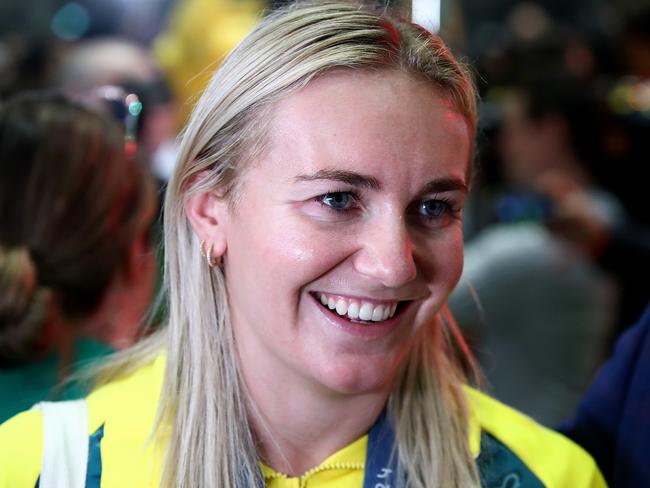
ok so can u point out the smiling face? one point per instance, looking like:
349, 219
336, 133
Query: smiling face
346, 237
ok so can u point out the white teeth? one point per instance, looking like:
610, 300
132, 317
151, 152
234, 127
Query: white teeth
353, 310
386, 312
365, 312
341, 307
378, 313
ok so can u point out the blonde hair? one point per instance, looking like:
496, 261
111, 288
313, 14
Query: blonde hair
203, 396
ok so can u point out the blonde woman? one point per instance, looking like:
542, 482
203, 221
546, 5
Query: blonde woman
313, 235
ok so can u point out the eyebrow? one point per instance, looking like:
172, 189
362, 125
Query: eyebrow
445, 184
370, 182
349, 177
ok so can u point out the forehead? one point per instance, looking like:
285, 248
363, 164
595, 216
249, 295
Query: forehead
385, 123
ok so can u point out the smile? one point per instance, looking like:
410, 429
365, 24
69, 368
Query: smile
358, 310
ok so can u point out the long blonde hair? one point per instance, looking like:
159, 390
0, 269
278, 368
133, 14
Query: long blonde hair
203, 397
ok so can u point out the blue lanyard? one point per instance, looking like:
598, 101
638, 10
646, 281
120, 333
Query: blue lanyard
381, 456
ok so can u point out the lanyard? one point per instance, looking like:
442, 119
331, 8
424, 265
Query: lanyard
381, 456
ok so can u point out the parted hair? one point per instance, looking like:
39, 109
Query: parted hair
204, 398
71, 203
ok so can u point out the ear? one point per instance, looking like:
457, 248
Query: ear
208, 215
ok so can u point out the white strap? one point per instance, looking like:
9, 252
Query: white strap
65, 444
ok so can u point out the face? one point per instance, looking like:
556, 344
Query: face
346, 238
528, 147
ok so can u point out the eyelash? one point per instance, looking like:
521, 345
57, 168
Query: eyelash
442, 219
450, 211
353, 195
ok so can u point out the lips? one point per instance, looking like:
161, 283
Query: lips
358, 310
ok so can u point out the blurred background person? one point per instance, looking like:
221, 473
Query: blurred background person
557, 234
92, 65
600, 48
196, 38
545, 309
76, 259
612, 421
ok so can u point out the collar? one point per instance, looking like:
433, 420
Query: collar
351, 458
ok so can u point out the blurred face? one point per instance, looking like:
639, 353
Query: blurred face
529, 148
346, 239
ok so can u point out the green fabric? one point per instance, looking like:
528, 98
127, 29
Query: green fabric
501, 468
23, 386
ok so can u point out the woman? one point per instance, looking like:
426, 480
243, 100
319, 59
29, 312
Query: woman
313, 234
75, 261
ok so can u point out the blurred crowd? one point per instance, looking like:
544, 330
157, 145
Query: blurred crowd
557, 228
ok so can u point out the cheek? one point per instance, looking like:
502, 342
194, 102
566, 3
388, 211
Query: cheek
443, 262
290, 247
452, 267
281, 255
458, 260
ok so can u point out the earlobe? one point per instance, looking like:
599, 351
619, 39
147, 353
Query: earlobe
207, 213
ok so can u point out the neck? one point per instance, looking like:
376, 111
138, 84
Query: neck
58, 335
299, 429
118, 317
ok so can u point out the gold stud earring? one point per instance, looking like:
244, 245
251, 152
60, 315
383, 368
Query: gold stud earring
212, 262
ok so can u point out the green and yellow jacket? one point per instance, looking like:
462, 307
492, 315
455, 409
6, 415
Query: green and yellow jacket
512, 451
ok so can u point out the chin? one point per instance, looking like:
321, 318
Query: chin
358, 375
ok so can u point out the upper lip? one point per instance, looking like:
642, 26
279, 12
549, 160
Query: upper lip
365, 298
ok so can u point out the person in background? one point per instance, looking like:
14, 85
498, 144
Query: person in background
613, 422
76, 262
97, 64
537, 306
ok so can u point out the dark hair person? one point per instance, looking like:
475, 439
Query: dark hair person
75, 260
313, 232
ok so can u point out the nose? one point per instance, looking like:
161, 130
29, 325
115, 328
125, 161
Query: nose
386, 253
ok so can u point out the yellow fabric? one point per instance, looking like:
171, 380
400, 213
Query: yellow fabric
199, 34
21, 443
128, 408
130, 405
343, 469
555, 460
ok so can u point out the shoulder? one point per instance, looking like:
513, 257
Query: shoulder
133, 396
510, 441
121, 417
610, 420
21, 444
616, 386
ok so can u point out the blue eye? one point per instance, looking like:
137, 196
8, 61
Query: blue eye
436, 213
338, 200
434, 209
